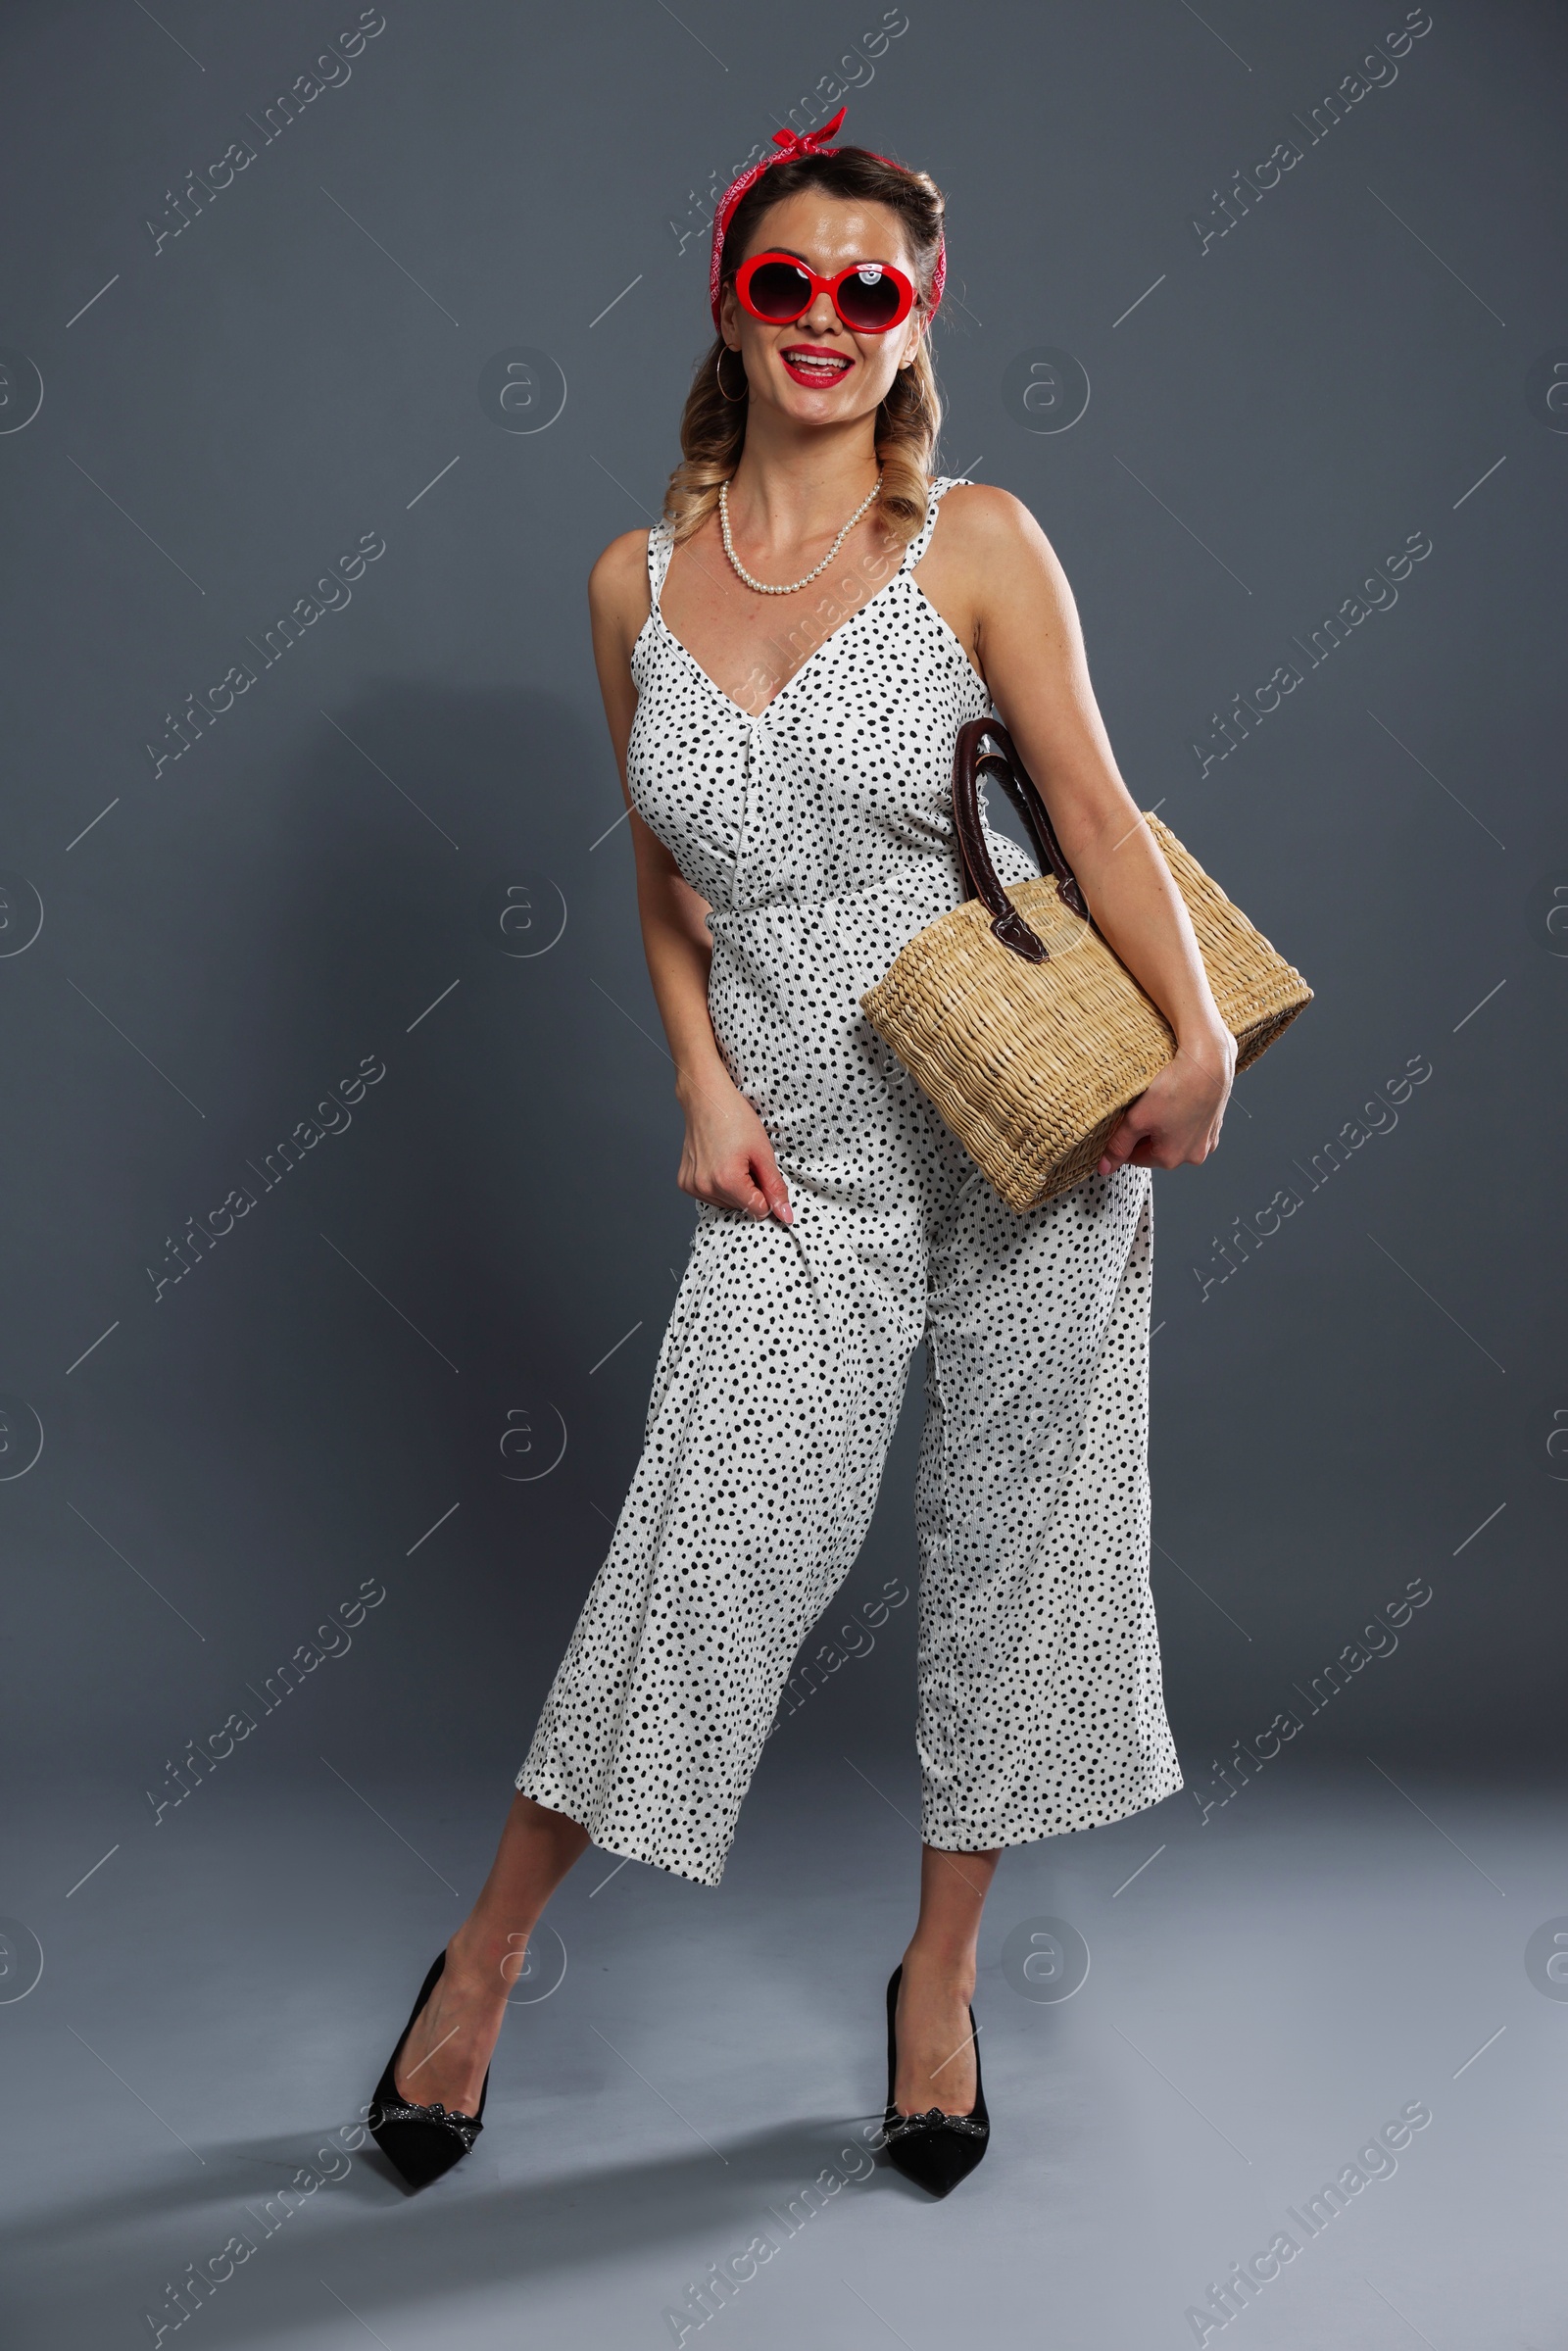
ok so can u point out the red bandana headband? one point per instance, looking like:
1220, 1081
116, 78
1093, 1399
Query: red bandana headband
791, 145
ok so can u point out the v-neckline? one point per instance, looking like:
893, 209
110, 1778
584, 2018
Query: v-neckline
754, 717
656, 613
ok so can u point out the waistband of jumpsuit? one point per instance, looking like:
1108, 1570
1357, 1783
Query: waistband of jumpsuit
937, 884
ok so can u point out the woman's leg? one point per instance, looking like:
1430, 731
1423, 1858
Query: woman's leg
1041, 1708
776, 1392
449, 2048
936, 2055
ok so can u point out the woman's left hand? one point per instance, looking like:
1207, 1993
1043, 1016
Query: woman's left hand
1176, 1119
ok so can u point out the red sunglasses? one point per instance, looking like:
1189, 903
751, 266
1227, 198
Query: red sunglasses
870, 297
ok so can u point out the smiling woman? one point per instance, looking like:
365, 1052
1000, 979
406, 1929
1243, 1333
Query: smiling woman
790, 814
868, 214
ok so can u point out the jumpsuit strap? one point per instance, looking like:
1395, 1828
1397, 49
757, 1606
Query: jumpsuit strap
661, 547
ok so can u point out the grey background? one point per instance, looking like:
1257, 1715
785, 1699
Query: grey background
346, 864
338, 850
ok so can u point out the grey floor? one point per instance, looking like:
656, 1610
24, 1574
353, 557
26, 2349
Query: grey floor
1275, 1987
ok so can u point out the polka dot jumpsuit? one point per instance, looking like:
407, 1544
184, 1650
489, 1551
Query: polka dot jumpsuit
820, 833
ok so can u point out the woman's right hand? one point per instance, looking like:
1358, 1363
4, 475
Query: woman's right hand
726, 1159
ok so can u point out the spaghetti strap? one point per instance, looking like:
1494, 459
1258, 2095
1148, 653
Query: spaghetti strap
942, 484
661, 547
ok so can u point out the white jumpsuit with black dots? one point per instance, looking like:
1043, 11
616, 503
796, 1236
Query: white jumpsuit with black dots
820, 833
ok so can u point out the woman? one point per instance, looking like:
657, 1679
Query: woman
783, 695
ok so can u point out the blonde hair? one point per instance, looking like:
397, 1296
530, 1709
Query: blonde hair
712, 428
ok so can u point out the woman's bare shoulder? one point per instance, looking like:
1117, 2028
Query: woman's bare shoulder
618, 581
988, 522
996, 556
619, 597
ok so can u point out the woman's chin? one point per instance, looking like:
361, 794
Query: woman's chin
822, 404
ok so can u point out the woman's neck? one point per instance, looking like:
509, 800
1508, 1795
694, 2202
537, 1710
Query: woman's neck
791, 487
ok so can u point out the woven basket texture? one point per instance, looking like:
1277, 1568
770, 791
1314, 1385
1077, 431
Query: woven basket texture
1032, 1064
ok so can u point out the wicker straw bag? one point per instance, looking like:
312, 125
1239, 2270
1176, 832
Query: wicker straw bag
1019, 1023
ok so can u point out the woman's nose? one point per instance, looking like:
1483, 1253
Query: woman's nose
821, 316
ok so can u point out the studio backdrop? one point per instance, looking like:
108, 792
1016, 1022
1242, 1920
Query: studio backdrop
342, 1222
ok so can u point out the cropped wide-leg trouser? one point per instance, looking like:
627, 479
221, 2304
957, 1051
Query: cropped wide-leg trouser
777, 1387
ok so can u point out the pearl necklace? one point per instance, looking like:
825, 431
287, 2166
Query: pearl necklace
761, 585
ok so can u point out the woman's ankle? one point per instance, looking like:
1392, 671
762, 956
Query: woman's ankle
938, 1966
486, 1959
475, 1959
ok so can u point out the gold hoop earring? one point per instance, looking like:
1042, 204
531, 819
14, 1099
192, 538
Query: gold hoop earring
733, 397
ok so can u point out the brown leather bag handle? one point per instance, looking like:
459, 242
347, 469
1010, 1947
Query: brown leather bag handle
970, 764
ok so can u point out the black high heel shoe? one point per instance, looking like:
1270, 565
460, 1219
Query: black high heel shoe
935, 2150
421, 2141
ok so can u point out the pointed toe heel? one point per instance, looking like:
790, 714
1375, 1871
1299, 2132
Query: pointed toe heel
420, 2142
935, 2150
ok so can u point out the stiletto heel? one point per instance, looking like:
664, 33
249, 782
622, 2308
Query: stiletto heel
935, 2150
420, 2142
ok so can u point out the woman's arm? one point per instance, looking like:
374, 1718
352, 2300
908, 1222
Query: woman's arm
726, 1159
1029, 645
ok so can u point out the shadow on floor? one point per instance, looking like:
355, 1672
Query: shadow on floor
449, 2240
